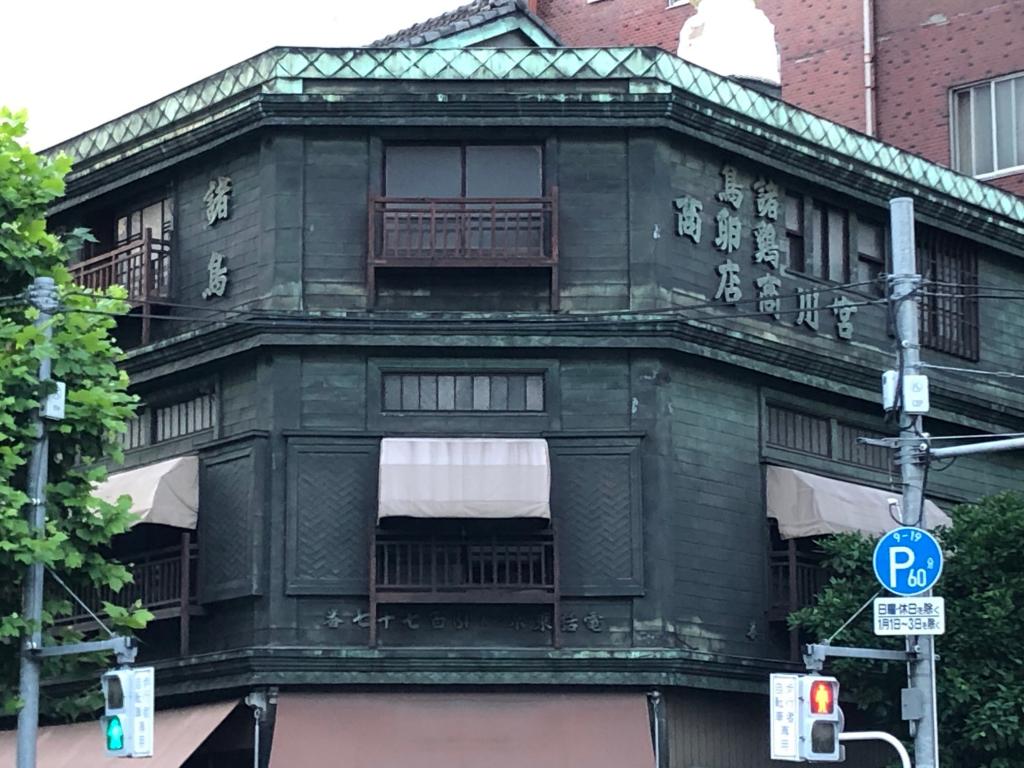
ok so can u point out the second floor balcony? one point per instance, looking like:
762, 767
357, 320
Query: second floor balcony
464, 232
141, 266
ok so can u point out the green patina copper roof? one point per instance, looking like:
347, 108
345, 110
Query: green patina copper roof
281, 70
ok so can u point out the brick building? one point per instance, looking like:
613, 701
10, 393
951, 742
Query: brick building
477, 384
945, 74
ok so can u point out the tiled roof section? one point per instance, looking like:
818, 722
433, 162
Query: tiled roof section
283, 70
457, 20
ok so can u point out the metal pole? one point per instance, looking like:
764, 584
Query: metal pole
43, 296
905, 280
990, 446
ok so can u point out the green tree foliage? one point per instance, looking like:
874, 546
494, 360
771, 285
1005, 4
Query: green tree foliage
78, 526
980, 675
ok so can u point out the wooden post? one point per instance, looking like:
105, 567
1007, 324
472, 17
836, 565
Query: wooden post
794, 633
147, 245
554, 250
186, 587
373, 584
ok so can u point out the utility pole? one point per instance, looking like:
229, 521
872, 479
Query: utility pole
904, 283
43, 296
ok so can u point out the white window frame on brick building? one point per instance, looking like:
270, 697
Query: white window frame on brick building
987, 127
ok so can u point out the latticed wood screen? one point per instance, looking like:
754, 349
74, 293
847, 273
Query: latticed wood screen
470, 391
822, 436
949, 304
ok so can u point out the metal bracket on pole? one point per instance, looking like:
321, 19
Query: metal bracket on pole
816, 653
888, 738
123, 647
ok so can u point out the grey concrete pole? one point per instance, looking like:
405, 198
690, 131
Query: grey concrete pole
904, 282
43, 296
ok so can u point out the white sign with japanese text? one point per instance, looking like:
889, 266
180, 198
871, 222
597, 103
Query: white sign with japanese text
910, 616
784, 691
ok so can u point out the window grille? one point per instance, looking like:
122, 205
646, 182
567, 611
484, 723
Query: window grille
467, 392
156, 424
949, 305
829, 438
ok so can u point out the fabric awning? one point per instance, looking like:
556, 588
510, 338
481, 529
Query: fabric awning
177, 733
166, 492
463, 730
806, 504
464, 477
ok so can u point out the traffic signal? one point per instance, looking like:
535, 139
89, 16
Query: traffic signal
821, 719
128, 712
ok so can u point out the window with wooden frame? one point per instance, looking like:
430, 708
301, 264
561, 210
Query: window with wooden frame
830, 236
949, 303
871, 257
463, 171
795, 232
158, 217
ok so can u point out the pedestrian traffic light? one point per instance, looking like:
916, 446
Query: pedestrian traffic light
127, 720
821, 719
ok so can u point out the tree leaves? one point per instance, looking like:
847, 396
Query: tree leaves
85, 358
981, 668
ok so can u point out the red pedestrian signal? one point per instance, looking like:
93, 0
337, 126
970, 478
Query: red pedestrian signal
822, 697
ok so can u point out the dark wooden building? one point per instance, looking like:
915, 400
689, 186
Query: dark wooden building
463, 371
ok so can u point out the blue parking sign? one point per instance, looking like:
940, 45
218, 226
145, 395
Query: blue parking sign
908, 561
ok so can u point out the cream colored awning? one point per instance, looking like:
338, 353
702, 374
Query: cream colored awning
811, 505
177, 733
166, 492
464, 477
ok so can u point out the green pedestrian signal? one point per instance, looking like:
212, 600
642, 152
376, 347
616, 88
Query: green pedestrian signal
115, 734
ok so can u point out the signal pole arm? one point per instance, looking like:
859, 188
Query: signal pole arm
888, 738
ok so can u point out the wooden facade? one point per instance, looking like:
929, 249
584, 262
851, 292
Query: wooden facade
592, 315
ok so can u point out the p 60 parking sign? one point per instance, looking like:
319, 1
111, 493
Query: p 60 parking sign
907, 561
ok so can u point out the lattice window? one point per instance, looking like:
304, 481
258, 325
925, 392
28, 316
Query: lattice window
829, 438
136, 432
169, 420
949, 306
798, 431
852, 452
468, 392
182, 418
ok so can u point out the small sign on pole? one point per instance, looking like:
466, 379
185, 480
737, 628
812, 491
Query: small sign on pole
784, 691
910, 616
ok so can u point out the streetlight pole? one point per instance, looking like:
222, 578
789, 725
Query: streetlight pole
905, 282
43, 296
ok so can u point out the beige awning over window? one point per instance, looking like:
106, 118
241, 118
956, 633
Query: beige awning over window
177, 733
464, 477
497, 730
166, 492
811, 505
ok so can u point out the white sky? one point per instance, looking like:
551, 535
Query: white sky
75, 64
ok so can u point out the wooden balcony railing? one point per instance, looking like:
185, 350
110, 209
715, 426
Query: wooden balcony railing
796, 577
497, 570
164, 582
464, 232
142, 266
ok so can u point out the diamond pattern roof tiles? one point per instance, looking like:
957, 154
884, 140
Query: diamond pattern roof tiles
516, 64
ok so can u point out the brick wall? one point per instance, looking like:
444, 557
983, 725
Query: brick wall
923, 48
